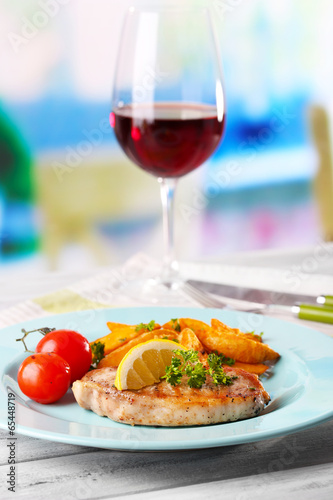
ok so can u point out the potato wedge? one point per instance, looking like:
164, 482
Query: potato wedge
115, 326
257, 369
173, 324
218, 325
252, 336
120, 335
236, 347
188, 339
114, 357
195, 325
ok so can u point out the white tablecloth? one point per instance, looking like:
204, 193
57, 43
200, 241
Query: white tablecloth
308, 271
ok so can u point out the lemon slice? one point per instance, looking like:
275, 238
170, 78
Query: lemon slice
145, 364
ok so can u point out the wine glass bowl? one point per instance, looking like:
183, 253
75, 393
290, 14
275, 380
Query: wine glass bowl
168, 139
168, 108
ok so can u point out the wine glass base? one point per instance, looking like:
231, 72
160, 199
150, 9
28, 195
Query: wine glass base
154, 291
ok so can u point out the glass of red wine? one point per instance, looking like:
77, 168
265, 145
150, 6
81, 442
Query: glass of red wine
168, 109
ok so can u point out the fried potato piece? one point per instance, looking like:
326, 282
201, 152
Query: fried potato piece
188, 339
114, 357
218, 325
115, 326
195, 325
257, 369
252, 336
173, 324
236, 346
121, 334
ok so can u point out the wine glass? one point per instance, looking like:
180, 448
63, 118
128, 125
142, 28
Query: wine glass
168, 108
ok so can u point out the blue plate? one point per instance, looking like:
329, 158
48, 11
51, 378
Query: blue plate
300, 385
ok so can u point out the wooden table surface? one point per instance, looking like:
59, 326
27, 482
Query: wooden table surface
290, 467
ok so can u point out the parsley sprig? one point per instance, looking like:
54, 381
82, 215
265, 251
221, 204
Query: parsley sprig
97, 351
175, 324
187, 363
216, 371
256, 334
143, 326
224, 359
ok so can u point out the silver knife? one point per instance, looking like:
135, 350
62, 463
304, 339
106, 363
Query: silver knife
258, 296
303, 306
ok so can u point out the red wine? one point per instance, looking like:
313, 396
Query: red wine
168, 139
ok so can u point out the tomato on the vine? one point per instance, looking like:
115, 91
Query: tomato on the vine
71, 346
44, 377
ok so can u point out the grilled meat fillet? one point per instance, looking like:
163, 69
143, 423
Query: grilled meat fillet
164, 405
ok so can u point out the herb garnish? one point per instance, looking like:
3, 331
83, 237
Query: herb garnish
216, 371
175, 324
97, 350
256, 334
149, 326
187, 363
224, 359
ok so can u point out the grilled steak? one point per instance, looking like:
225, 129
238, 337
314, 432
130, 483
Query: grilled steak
164, 405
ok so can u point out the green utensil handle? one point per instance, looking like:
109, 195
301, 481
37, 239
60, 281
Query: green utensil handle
328, 300
322, 314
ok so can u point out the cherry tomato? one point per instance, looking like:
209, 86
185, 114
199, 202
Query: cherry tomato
71, 346
44, 377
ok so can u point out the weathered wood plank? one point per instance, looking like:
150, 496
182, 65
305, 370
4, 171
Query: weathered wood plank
108, 474
29, 449
307, 483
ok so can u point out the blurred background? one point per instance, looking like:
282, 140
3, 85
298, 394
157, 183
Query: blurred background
69, 198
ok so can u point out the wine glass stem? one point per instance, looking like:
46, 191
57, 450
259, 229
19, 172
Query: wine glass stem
170, 264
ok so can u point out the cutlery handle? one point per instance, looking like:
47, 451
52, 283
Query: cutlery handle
326, 300
315, 313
